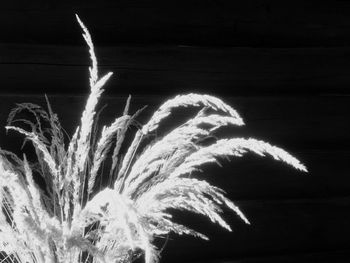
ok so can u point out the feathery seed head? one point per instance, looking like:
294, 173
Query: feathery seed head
71, 215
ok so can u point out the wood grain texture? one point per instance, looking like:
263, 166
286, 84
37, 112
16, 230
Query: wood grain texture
180, 22
284, 65
170, 70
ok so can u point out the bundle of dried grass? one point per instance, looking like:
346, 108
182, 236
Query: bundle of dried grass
73, 221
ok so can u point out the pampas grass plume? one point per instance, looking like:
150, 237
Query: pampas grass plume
73, 220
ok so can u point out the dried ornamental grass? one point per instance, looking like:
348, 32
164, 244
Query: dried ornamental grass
72, 221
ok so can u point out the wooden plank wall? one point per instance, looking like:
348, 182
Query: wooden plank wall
284, 65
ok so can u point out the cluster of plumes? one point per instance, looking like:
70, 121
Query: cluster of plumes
72, 220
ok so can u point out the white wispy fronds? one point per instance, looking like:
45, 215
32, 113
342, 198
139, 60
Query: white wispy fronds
71, 220
187, 194
87, 121
179, 143
40, 146
191, 99
34, 193
103, 146
164, 111
121, 223
217, 121
93, 69
22, 212
87, 118
234, 147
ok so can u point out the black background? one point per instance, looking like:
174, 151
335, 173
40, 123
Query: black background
284, 65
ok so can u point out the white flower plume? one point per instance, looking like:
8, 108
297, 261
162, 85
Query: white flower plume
70, 219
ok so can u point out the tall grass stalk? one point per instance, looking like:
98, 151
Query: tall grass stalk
71, 219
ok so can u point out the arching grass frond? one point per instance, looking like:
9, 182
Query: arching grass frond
70, 219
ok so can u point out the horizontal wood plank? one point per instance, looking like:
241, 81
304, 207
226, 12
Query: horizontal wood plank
325, 256
179, 22
169, 70
284, 65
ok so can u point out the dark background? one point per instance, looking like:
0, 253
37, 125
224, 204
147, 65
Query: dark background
284, 65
